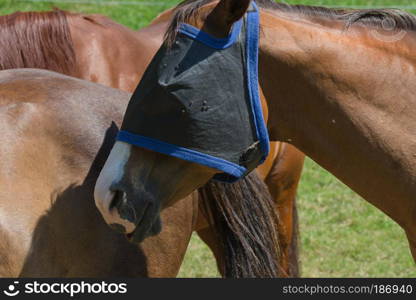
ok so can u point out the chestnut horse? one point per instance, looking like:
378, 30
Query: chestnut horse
121, 65
338, 85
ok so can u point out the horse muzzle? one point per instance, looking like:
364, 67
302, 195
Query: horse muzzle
136, 217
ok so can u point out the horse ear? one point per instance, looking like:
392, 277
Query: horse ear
227, 12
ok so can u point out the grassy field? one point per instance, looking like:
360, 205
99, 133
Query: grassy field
341, 235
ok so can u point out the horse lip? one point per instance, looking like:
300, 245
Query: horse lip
140, 232
138, 235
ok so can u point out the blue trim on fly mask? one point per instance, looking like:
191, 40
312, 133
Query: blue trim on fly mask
183, 153
252, 46
213, 42
232, 171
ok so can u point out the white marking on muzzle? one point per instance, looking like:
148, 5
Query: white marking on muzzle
112, 172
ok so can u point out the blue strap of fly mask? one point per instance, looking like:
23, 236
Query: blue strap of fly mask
199, 101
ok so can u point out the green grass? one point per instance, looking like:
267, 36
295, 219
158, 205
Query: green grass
133, 16
341, 234
137, 16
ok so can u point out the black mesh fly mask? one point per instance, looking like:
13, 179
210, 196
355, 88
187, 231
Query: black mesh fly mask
199, 101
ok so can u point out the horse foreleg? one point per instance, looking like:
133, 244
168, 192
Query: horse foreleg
293, 248
209, 237
282, 181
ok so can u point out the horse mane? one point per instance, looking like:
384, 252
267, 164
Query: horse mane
394, 19
37, 40
246, 225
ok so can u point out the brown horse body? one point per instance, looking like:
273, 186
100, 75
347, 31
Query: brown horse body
50, 227
338, 85
110, 54
361, 84
38, 245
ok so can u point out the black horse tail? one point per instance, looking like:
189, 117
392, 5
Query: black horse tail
244, 219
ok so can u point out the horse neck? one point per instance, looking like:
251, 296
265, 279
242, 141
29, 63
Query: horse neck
347, 101
112, 54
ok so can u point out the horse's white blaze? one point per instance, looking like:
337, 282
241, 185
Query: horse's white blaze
112, 171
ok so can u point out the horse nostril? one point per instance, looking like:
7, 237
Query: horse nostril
121, 206
119, 199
